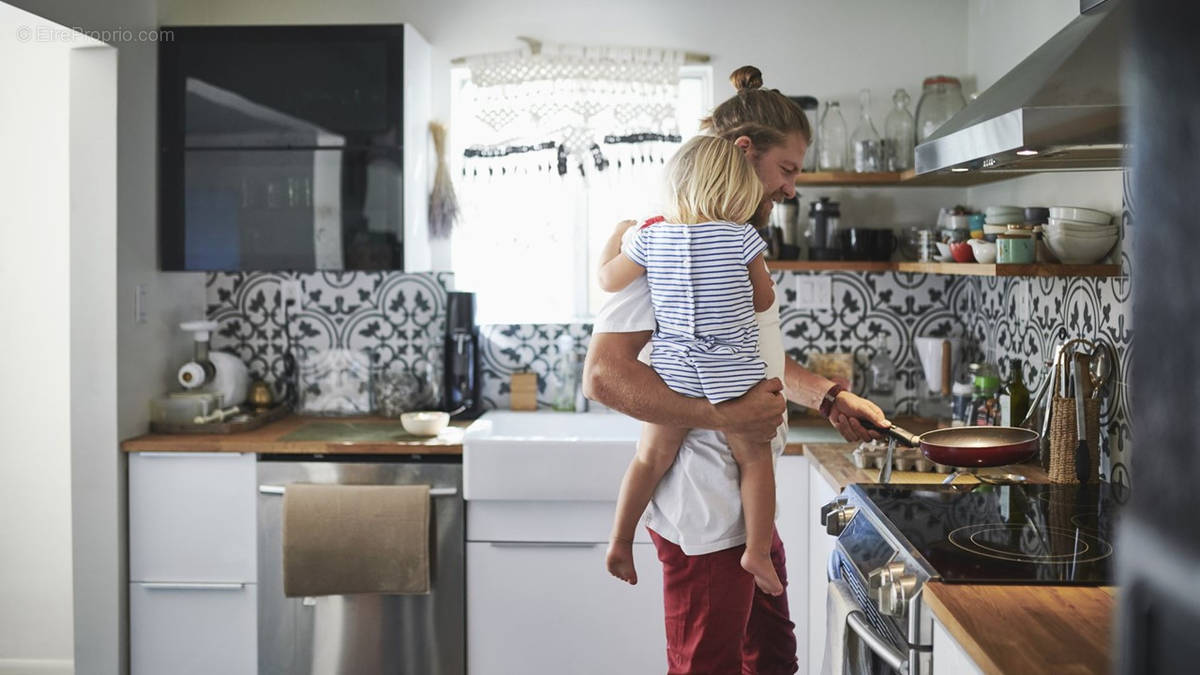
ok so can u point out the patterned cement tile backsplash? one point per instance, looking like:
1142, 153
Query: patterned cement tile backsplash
398, 318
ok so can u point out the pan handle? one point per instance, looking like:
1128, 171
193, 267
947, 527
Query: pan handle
901, 436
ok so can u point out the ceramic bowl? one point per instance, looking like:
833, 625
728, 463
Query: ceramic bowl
1075, 250
943, 250
1081, 214
425, 422
962, 252
1083, 231
1081, 226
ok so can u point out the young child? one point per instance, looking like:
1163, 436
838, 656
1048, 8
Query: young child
707, 278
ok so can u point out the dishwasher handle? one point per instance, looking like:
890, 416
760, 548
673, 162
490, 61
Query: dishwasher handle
433, 492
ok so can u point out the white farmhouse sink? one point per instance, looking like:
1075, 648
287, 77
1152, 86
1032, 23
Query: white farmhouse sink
547, 455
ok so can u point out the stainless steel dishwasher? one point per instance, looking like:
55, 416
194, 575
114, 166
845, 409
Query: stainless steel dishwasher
377, 634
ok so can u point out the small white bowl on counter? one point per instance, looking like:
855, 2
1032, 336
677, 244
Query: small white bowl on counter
425, 423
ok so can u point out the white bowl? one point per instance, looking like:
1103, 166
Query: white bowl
1081, 214
1083, 230
425, 422
943, 249
1079, 224
1075, 250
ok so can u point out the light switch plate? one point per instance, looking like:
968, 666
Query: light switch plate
814, 292
1022, 301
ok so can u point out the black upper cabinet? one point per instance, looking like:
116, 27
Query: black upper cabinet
284, 147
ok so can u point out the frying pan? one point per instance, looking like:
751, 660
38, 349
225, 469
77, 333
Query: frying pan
969, 446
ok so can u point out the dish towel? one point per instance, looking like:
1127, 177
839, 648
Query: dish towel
839, 602
347, 539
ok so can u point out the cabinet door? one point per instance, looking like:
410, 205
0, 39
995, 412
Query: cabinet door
791, 479
187, 629
949, 658
820, 546
192, 517
552, 608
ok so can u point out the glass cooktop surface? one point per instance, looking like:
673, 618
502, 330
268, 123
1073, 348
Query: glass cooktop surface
1021, 534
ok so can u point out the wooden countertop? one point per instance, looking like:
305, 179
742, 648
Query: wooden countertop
266, 440
1059, 630
831, 461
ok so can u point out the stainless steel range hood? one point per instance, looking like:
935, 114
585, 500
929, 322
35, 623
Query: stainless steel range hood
1060, 108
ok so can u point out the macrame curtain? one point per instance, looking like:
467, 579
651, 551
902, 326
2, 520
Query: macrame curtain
599, 108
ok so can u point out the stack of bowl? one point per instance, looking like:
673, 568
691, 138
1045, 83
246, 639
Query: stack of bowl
1079, 236
998, 218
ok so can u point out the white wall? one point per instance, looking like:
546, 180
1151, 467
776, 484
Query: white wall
35, 568
145, 354
826, 48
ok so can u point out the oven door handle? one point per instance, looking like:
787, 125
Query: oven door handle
857, 621
433, 492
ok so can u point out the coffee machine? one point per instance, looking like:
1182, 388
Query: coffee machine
461, 351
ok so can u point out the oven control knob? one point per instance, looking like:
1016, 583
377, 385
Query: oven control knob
891, 587
838, 517
837, 503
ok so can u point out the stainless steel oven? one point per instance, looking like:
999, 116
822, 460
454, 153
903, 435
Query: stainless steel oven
345, 634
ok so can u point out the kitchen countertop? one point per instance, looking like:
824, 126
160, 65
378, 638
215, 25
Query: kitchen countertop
268, 439
1028, 629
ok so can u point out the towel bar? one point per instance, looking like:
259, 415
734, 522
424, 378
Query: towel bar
433, 492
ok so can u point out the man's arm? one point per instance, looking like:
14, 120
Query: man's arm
613, 376
806, 388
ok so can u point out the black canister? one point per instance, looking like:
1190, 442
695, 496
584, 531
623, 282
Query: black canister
461, 354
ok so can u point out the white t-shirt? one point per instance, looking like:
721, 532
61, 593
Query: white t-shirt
697, 504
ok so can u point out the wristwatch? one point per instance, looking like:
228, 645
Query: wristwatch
828, 400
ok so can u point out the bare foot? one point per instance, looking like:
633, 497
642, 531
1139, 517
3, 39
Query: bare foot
764, 572
620, 561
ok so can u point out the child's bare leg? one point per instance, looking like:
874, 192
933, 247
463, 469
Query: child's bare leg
757, 467
656, 452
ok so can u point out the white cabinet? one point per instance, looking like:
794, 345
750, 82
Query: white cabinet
820, 547
192, 517
949, 658
793, 523
192, 563
193, 629
537, 607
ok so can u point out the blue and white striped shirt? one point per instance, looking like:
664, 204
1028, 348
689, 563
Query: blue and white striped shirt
706, 343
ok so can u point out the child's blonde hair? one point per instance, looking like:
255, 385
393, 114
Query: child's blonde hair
709, 179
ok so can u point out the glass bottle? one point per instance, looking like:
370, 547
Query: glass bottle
865, 142
898, 132
941, 99
881, 377
567, 372
986, 386
832, 149
1014, 399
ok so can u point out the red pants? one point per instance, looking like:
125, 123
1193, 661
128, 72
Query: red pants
718, 622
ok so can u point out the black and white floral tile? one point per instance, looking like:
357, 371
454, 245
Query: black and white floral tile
396, 319
897, 306
1064, 308
521, 348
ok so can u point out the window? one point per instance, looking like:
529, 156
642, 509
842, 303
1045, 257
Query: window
529, 246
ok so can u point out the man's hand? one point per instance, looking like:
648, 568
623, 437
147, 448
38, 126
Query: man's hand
755, 415
848, 409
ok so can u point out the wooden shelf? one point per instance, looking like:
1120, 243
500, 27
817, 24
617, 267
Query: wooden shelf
831, 266
900, 179
957, 269
993, 270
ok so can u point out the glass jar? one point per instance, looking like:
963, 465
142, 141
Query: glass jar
881, 377
832, 148
899, 134
824, 224
865, 142
941, 99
